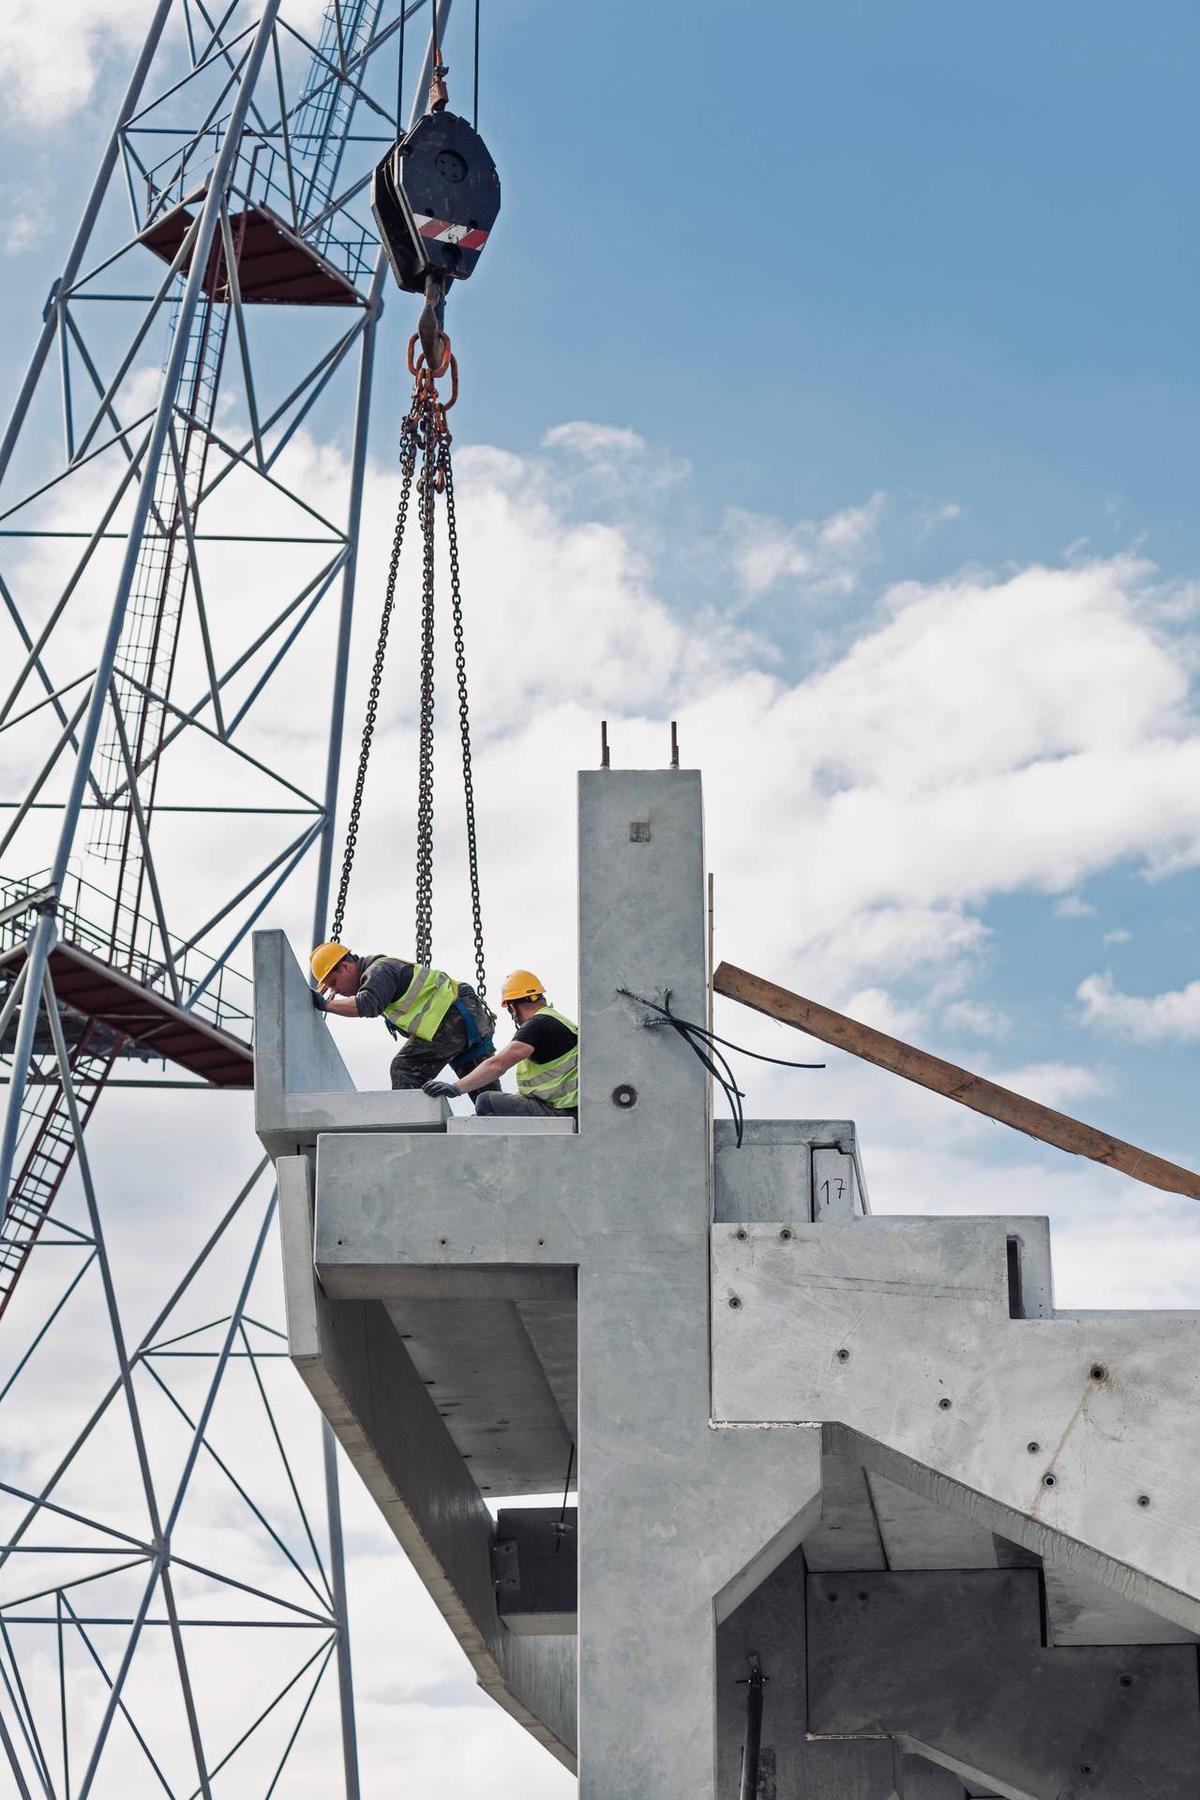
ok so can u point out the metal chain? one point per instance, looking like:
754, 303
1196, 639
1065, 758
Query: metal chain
424, 433
464, 715
426, 493
408, 461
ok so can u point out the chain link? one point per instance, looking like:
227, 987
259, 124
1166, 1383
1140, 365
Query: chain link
426, 496
424, 434
408, 460
464, 717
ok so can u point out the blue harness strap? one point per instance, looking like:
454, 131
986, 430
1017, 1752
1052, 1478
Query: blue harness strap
478, 1047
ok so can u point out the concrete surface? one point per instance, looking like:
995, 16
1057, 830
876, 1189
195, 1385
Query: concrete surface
984, 1697
359, 1374
897, 1331
771, 1175
536, 1564
301, 1085
626, 1203
477, 1305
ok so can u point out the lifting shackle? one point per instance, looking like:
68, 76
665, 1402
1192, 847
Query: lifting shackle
435, 196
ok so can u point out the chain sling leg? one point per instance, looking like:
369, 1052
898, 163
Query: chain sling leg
426, 436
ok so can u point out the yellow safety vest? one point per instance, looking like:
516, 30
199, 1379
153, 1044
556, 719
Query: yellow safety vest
423, 1004
555, 1082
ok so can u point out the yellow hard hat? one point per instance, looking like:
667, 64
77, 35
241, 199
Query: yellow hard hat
325, 959
522, 984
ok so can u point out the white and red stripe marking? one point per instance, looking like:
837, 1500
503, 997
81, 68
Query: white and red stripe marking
443, 232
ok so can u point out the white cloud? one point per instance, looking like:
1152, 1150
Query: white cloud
823, 555
1173, 1017
1052, 1083
875, 1006
28, 217
580, 437
1118, 936
977, 1017
1072, 907
591, 463
53, 66
849, 532
50, 68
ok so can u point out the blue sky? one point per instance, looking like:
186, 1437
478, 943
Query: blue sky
829, 383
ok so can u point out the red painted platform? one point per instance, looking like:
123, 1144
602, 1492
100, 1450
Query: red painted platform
274, 265
148, 1019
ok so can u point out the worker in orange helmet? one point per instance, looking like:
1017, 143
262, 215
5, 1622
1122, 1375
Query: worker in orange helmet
544, 1051
440, 1019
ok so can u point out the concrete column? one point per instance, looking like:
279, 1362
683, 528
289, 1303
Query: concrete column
673, 1517
769, 1625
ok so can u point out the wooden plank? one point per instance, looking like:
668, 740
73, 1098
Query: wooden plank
946, 1078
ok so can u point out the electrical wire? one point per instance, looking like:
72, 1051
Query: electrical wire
703, 1044
560, 1526
477, 65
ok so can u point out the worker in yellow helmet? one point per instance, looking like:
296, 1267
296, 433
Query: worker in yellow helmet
544, 1051
441, 1020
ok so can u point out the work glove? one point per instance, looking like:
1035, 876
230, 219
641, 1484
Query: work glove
318, 1000
442, 1090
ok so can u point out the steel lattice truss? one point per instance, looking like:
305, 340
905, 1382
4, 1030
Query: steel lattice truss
177, 562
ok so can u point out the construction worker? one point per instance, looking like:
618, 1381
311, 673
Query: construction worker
441, 1020
544, 1051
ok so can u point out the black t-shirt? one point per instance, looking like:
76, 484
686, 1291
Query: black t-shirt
547, 1038
381, 984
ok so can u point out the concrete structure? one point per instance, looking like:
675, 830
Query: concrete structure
951, 1526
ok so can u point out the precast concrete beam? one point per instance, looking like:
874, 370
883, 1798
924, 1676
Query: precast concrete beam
954, 1665
301, 1085
922, 1780
678, 1523
768, 1629
536, 1566
780, 1163
1072, 1435
356, 1368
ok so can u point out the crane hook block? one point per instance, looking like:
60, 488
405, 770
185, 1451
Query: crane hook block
435, 196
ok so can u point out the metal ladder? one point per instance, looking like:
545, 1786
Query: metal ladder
51, 1150
325, 110
150, 639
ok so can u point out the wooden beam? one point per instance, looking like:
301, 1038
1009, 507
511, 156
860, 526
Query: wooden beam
928, 1071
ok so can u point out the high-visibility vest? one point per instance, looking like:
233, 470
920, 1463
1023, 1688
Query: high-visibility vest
424, 1003
555, 1082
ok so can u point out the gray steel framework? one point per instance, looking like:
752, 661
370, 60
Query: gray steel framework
233, 123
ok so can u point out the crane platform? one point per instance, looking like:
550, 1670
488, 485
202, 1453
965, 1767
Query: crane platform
275, 264
148, 1022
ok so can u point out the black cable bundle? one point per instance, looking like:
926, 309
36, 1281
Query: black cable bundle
703, 1043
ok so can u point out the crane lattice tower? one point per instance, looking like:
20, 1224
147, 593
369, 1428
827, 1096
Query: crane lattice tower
171, 1599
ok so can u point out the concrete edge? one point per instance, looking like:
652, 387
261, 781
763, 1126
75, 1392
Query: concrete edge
327, 1342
